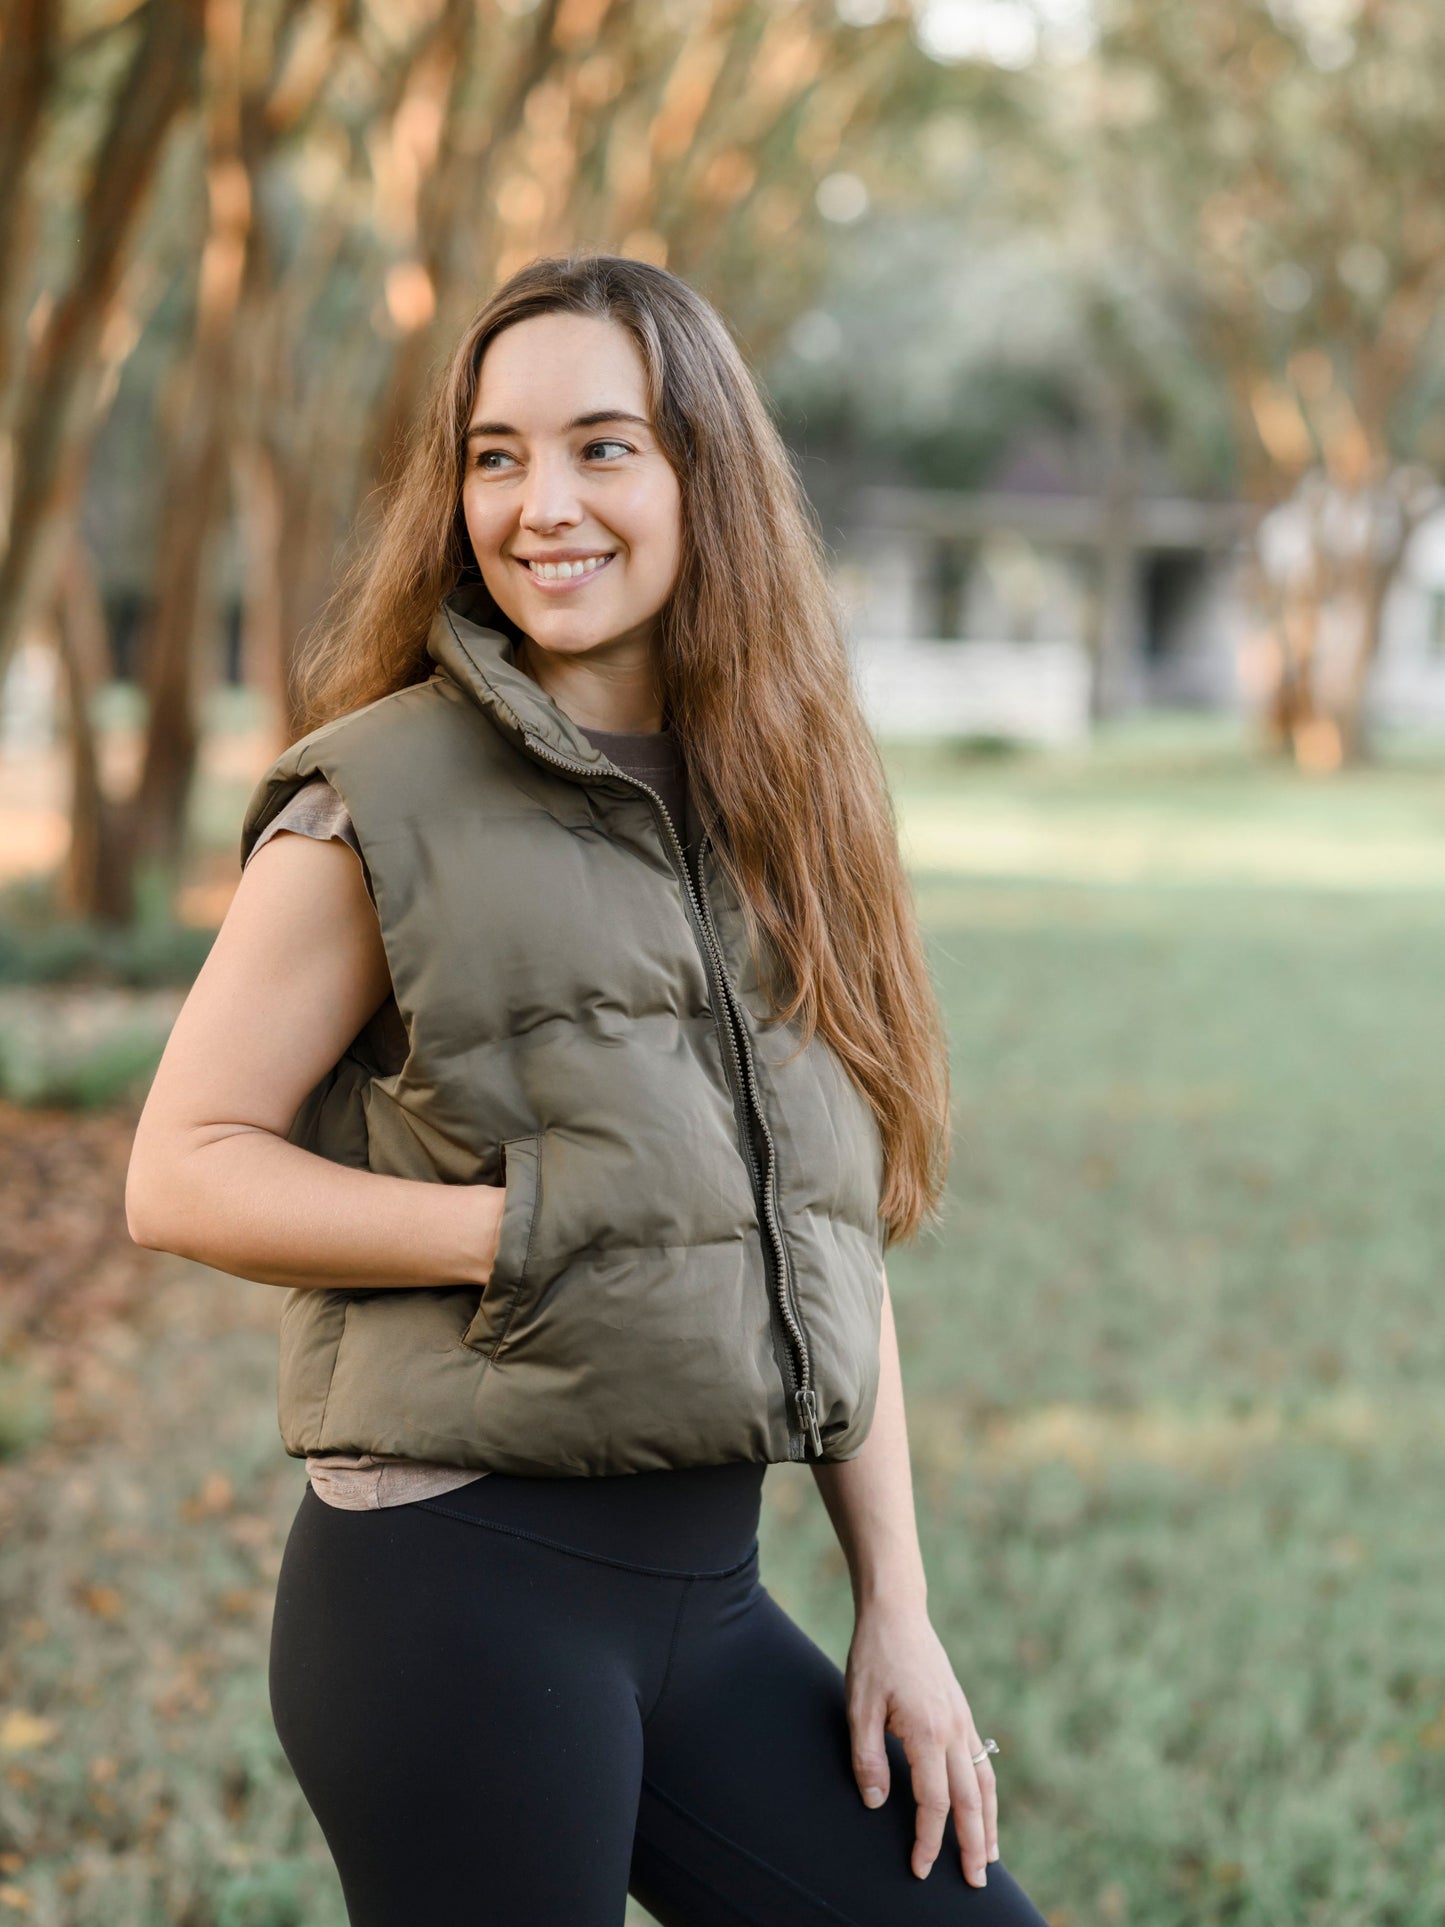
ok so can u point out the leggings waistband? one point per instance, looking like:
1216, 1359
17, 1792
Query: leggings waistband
694, 1519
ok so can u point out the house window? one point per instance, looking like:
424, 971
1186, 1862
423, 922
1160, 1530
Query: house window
1435, 629
948, 585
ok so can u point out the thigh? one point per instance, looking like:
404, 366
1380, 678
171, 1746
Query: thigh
749, 1810
460, 1709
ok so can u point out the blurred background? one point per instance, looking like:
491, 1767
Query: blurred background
1107, 338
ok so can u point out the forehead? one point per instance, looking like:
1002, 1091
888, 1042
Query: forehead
540, 373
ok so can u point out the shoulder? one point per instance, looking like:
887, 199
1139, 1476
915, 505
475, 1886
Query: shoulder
392, 757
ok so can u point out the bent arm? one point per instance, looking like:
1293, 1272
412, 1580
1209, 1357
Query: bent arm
296, 970
869, 1498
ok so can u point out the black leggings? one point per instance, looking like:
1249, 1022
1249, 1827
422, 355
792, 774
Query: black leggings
517, 1702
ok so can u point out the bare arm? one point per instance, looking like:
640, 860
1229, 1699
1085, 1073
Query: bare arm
296, 969
870, 1497
899, 1676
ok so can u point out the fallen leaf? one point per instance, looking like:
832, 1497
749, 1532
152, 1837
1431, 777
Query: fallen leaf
104, 1602
20, 1730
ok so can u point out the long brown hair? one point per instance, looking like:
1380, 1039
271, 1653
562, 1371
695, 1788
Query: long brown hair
753, 676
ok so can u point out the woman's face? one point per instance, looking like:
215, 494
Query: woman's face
562, 468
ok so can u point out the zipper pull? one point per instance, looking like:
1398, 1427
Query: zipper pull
808, 1418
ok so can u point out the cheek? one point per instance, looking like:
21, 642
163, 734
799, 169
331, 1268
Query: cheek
474, 513
651, 522
484, 524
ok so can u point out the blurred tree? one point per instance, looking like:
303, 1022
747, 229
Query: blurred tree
368, 169
1279, 167
957, 326
29, 54
58, 381
980, 306
245, 116
61, 355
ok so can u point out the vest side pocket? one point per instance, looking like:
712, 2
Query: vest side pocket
503, 1291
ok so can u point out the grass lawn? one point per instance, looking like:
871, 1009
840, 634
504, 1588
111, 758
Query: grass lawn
1173, 1365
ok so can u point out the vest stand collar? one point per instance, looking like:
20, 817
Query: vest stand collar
481, 659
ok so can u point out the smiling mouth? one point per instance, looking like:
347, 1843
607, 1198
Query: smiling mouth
562, 574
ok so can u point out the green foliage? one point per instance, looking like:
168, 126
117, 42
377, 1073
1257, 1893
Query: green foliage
1018, 325
85, 1007
1277, 167
269, 1896
25, 1408
39, 1068
68, 1040
36, 947
984, 748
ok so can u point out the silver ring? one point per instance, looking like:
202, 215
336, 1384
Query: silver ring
989, 1746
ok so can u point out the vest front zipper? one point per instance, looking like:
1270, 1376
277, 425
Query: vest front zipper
802, 1397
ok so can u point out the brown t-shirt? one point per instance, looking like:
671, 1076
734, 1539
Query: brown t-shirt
366, 1481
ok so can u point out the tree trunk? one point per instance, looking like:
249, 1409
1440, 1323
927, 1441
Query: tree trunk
1379, 568
260, 514
28, 61
62, 381
190, 509
1355, 743
194, 491
95, 880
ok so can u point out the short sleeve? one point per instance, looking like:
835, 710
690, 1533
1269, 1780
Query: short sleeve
315, 809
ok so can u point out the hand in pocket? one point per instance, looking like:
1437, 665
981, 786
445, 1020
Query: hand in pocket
511, 1214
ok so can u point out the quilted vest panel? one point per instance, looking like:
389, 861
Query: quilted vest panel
690, 1264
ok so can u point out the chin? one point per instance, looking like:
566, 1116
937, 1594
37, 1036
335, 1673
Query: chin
561, 645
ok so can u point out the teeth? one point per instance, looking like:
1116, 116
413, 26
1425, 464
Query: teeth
562, 571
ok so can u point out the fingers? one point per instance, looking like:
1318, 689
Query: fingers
928, 1759
870, 1757
970, 1823
946, 1779
988, 1787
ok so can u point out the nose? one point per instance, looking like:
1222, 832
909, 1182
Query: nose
550, 498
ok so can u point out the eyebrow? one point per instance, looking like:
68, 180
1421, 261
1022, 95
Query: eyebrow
593, 420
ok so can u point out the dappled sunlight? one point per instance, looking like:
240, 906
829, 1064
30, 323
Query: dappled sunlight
1205, 1443
1074, 845
33, 840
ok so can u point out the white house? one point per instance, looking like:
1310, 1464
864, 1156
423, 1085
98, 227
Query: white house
1024, 614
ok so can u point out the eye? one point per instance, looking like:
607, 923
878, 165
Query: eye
484, 458
608, 443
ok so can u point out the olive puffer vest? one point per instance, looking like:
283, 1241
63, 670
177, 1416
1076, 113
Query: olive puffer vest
690, 1267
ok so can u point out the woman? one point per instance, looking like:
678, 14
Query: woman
570, 1061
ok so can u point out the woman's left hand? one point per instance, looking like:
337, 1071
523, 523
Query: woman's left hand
899, 1679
